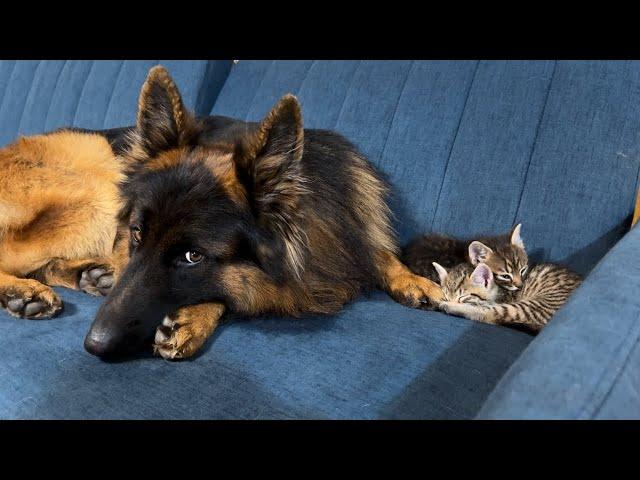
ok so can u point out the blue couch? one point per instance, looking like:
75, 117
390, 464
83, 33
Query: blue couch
470, 147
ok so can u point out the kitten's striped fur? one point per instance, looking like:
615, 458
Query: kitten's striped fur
504, 254
472, 293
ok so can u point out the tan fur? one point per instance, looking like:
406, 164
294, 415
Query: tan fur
58, 202
403, 285
29, 290
219, 160
224, 170
368, 199
636, 214
254, 292
64, 273
188, 329
266, 170
287, 105
159, 75
166, 159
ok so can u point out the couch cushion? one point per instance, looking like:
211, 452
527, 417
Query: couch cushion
585, 364
377, 359
39, 96
473, 146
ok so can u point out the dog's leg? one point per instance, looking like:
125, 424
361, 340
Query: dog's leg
404, 286
183, 333
28, 298
94, 276
250, 291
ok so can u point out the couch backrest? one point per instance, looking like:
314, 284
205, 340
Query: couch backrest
39, 96
475, 146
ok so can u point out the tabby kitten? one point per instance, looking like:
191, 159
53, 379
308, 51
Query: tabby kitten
505, 255
473, 293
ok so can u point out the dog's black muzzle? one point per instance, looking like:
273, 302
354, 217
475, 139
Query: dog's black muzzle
127, 320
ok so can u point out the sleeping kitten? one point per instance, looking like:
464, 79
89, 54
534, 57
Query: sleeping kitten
505, 255
473, 293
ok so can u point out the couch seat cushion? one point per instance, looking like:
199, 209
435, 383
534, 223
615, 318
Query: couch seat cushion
376, 359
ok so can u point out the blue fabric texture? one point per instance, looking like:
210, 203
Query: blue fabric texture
475, 147
376, 359
39, 96
585, 363
469, 147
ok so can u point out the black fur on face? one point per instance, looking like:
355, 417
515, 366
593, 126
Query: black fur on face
183, 228
179, 212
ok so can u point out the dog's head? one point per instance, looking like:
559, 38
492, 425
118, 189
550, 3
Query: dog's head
196, 202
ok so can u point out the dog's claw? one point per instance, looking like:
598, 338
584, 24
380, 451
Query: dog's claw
175, 340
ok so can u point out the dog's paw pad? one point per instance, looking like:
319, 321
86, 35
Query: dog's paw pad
34, 305
96, 280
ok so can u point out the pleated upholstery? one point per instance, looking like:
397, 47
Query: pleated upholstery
475, 146
39, 96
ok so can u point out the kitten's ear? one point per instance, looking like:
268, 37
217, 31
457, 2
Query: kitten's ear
478, 252
516, 239
442, 272
162, 122
482, 276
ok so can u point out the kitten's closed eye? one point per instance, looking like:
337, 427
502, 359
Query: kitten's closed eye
470, 298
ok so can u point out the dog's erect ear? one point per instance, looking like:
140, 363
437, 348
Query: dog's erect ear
162, 122
270, 165
442, 272
516, 239
273, 153
482, 276
478, 252
272, 160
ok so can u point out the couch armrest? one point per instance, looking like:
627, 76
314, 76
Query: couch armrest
586, 363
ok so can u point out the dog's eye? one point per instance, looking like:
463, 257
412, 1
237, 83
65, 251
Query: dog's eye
193, 257
136, 233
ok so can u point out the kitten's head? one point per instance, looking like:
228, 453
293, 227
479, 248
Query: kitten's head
508, 262
466, 284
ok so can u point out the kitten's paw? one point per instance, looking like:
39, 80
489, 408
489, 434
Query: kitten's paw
446, 307
31, 300
96, 280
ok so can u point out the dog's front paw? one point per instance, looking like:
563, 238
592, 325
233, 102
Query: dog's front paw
31, 300
416, 291
184, 332
174, 341
96, 280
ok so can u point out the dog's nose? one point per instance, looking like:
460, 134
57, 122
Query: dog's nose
100, 343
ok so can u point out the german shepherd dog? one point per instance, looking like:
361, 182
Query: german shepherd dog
180, 219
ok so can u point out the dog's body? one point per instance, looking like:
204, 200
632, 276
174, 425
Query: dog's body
59, 201
213, 214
